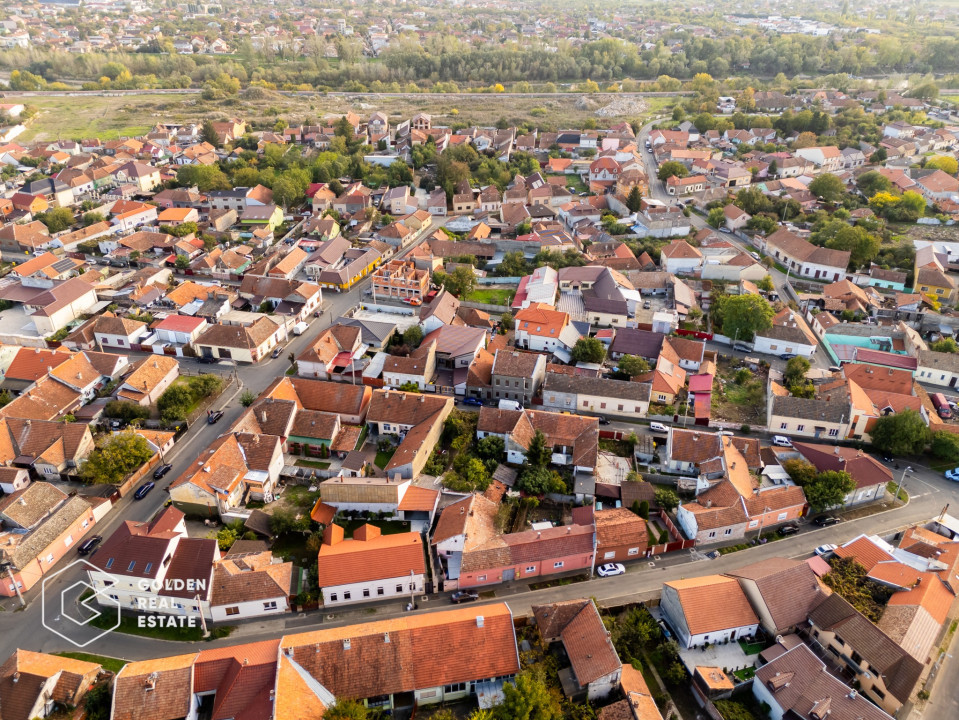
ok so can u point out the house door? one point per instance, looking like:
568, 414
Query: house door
509, 575
952, 383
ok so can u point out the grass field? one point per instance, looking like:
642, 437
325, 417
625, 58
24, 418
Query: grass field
492, 296
112, 117
112, 664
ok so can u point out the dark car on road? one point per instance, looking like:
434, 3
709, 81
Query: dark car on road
143, 490
206, 359
788, 530
214, 417
276, 352
787, 356
462, 596
472, 401
161, 471
825, 520
90, 545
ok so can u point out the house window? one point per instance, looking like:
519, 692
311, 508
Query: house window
833, 433
380, 591
49, 558
783, 426
712, 534
602, 406
333, 597
609, 555
366, 592
633, 551
399, 588
481, 578
271, 605
558, 564
800, 428
232, 611
455, 688
620, 408
781, 516
530, 569
131, 565
347, 595
728, 531
68, 540
585, 403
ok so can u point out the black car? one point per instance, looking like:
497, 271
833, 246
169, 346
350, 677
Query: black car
825, 521
161, 471
787, 356
788, 530
462, 596
214, 417
206, 359
143, 490
603, 421
90, 545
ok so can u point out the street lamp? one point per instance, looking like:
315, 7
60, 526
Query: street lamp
902, 477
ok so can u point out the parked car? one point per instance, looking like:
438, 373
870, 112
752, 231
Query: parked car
742, 346
825, 520
665, 628
214, 417
787, 356
414, 301
782, 441
610, 569
788, 530
462, 596
473, 401
658, 428
646, 305
952, 474
824, 550
205, 359
143, 490
90, 545
276, 352
162, 470
725, 230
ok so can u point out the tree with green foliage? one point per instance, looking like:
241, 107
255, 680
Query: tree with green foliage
208, 133
116, 458
538, 454
742, 316
409, 386
92, 218
491, 447
635, 199
589, 350
828, 187
413, 336
57, 219
228, 534
796, 369
513, 264
247, 398
716, 217
535, 480
633, 365
528, 697
506, 321
666, 498
946, 163
945, 446
97, 702
182, 262
872, 182
801, 471
344, 709
828, 489
944, 345
671, 168
766, 284
460, 282
126, 410
644, 510
902, 433
175, 403
862, 245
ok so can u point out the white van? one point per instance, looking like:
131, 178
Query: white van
510, 405
658, 428
782, 441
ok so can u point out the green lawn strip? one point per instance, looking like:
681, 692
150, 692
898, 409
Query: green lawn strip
751, 648
131, 626
382, 458
108, 663
312, 464
903, 495
491, 296
387, 527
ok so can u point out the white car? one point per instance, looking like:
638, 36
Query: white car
658, 428
824, 550
953, 474
782, 441
610, 569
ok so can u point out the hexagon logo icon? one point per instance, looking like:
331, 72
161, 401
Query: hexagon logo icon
66, 603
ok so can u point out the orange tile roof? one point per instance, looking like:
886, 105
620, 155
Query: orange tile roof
712, 603
864, 551
418, 499
33, 363
377, 558
929, 594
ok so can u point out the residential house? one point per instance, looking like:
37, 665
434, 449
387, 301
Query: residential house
782, 592
118, 332
37, 685
788, 334
441, 310
400, 279
249, 584
55, 308
52, 450
417, 419
572, 439
679, 257
417, 369
594, 664
149, 379
870, 475
542, 329
350, 402
827, 159
333, 350
936, 185
620, 535
180, 330
708, 610
369, 565
241, 343
798, 684
517, 375
824, 417
676, 185
582, 394
538, 288
290, 264
806, 259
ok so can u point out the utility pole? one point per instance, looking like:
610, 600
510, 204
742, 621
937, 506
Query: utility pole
199, 607
762, 523
16, 585
412, 590
901, 478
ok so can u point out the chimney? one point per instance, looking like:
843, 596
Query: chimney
16, 677
333, 534
709, 504
479, 621
346, 644
386, 637
151, 681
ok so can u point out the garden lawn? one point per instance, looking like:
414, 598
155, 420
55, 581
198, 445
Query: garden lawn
383, 457
387, 527
112, 664
492, 296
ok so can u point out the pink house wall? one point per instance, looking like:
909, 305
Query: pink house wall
531, 569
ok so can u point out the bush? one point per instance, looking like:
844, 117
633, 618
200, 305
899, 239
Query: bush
126, 410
